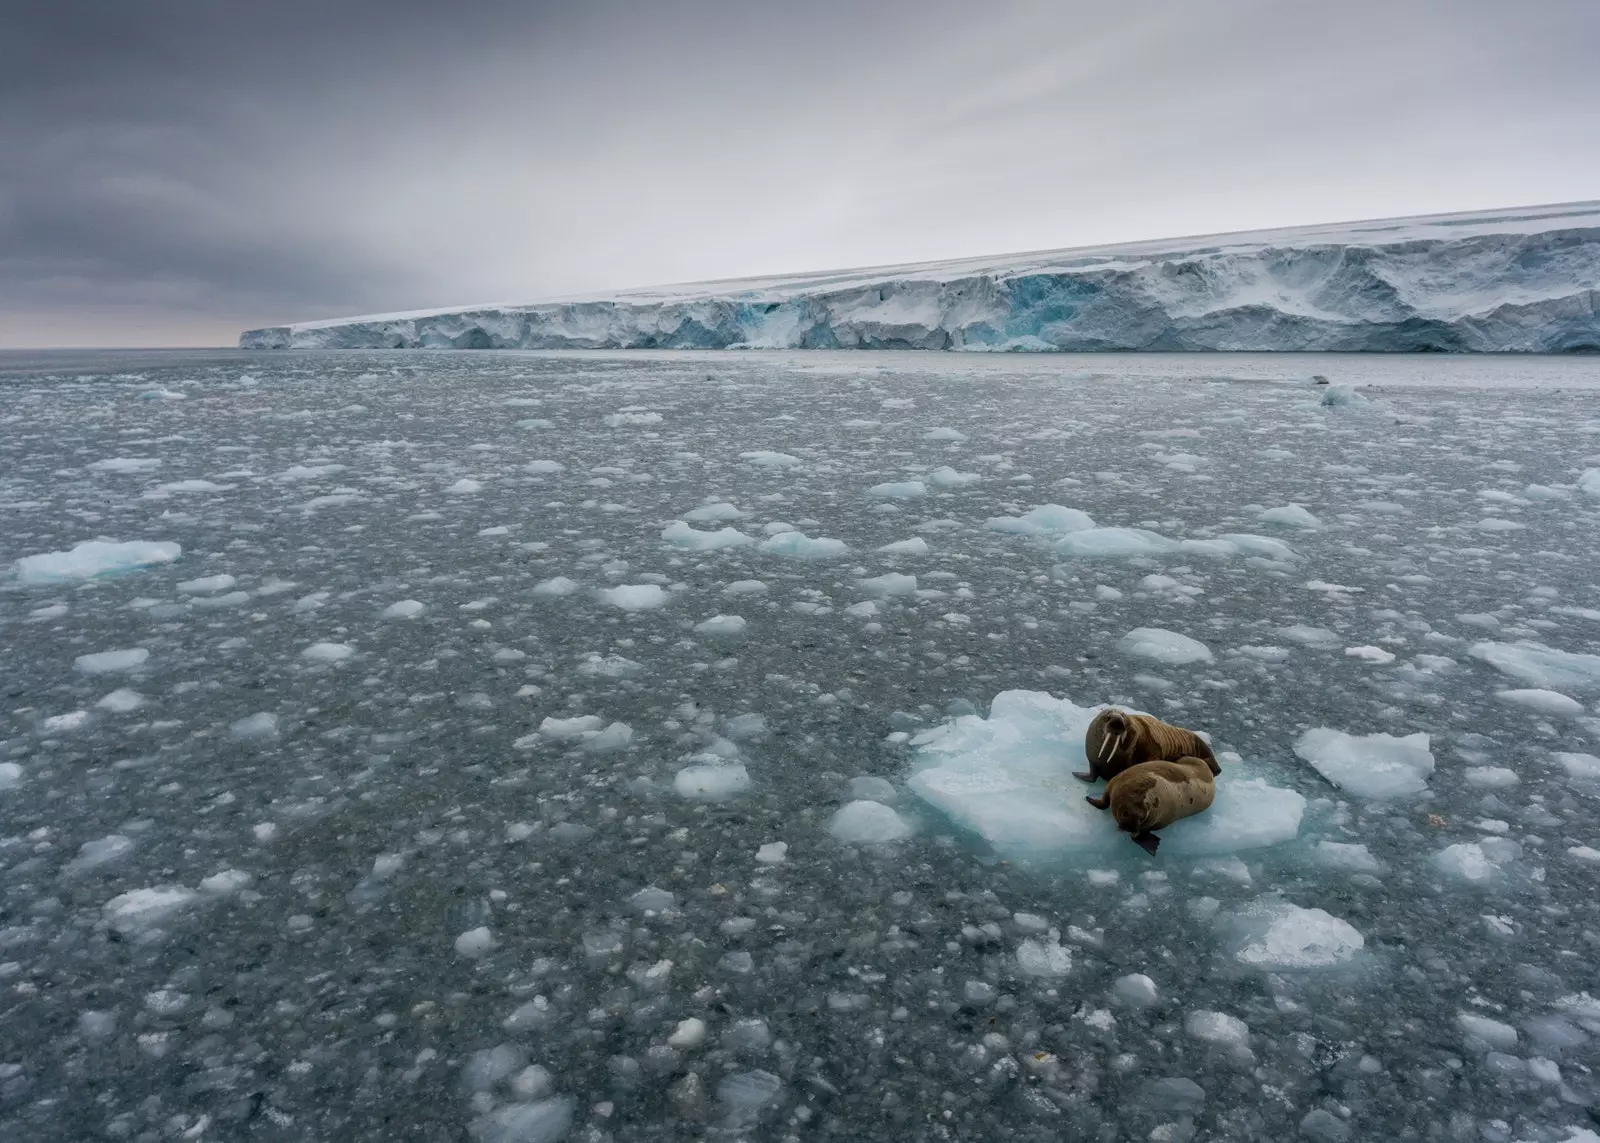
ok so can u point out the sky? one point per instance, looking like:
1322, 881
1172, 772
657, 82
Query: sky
175, 171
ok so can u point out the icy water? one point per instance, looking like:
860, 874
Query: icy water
387, 773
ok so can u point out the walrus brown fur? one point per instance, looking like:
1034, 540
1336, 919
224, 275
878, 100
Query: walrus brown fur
1118, 739
1153, 795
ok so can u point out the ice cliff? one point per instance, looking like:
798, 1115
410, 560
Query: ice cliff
1514, 281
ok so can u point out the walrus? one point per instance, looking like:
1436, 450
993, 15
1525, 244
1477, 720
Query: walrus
1117, 739
1153, 795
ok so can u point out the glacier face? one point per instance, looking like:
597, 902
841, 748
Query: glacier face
1512, 281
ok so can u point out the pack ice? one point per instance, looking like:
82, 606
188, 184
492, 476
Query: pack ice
1516, 280
1008, 779
95, 558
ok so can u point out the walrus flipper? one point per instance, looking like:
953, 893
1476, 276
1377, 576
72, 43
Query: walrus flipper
1100, 803
1087, 776
1147, 841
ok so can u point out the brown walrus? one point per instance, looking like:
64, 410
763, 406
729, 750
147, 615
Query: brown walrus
1153, 795
1118, 739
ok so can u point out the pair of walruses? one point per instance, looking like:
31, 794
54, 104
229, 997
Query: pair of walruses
1155, 773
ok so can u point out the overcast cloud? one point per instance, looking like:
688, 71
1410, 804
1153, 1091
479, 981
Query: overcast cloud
172, 171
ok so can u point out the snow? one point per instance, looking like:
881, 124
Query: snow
1501, 281
1369, 765
109, 662
866, 823
1008, 779
94, 558
1162, 646
634, 596
1279, 935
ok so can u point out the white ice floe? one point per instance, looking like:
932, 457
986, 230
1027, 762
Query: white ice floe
1163, 646
557, 586
1483, 862
1289, 516
1542, 702
681, 535
10, 775
1584, 767
208, 584
107, 662
1274, 934
714, 513
402, 609
121, 701
799, 546
902, 490
561, 729
712, 780
1113, 543
866, 823
126, 464
1541, 666
1008, 779
891, 583
721, 625
1369, 765
1486, 1034
946, 477
147, 908
328, 652
1047, 958
765, 458
1046, 519
634, 596
95, 558
916, 546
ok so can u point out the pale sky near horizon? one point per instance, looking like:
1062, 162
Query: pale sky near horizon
175, 171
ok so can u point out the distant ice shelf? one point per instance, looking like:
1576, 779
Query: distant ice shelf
1524, 280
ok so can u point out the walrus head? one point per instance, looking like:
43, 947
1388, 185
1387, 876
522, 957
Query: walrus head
1116, 735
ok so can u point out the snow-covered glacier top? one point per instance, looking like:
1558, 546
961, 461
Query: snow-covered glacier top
1524, 280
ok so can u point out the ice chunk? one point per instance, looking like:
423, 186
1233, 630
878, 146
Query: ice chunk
126, 464
650, 899
1584, 767
944, 434
10, 775
1542, 702
916, 546
872, 789
541, 1121
1541, 666
712, 781
773, 853
541, 467
561, 729
904, 490
94, 558
1046, 958
721, 625
1289, 516
746, 1093
690, 1033
1113, 543
1276, 934
634, 596
1136, 990
767, 459
1347, 855
1008, 779
866, 823
1484, 1033
402, 609
1163, 646
681, 535
146, 908
1220, 1029
1047, 519
328, 652
1490, 777
106, 662
745, 587
1369, 765
617, 420
560, 585
207, 585
1342, 396
713, 513
121, 701
1319, 637
946, 477
891, 583
474, 943
261, 725
94, 854
799, 546
225, 882
1589, 482
1478, 862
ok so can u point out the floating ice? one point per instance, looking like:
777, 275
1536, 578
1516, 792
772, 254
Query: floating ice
126, 464
559, 585
946, 477
1369, 765
891, 583
94, 558
1319, 637
182, 487
712, 781
106, 662
1289, 516
1342, 396
328, 652
916, 546
575, 727
10, 775
904, 490
617, 420
466, 486
1585, 767
146, 908
1218, 1028
651, 899
94, 854
1478, 862
1589, 482
681, 535
1370, 654
1046, 958
1051, 519
474, 942
768, 459
690, 1033
541, 1121
1163, 646
944, 434
866, 823
1136, 990
261, 725
799, 546
1113, 543
634, 596
1542, 702
402, 609
745, 587
1347, 855
713, 513
121, 701
721, 625
225, 882
1485, 1033
746, 1093
207, 585
1007, 778
1541, 666
1276, 934
543, 467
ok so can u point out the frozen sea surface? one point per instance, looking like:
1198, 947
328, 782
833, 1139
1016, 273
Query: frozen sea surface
442, 780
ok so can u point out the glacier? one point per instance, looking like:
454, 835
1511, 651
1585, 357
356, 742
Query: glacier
1523, 280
